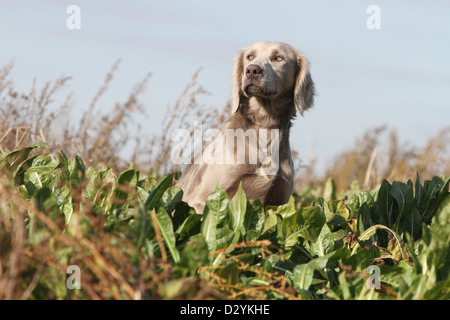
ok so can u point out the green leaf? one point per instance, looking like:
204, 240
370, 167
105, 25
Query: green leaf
209, 229
313, 221
281, 234
77, 172
141, 227
303, 276
435, 190
395, 245
12, 161
336, 212
157, 192
443, 210
171, 197
383, 201
324, 243
408, 218
166, 228
286, 210
218, 202
270, 223
403, 196
216, 208
46, 202
193, 256
329, 193
383, 211
363, 221
224, 238
254, 219
238, 206
190, 226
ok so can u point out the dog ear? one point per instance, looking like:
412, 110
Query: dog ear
236, 82
304, 86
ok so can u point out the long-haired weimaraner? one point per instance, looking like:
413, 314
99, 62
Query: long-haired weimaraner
270, 82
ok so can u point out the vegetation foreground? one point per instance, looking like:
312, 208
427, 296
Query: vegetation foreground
70, 232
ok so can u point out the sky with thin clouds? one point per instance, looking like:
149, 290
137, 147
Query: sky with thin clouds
398, 75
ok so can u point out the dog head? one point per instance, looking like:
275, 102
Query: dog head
272, 70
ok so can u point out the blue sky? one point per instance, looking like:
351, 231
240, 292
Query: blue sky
398, 75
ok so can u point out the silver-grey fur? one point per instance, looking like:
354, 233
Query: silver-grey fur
270, 82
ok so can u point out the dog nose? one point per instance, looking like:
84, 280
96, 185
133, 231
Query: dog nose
253, 71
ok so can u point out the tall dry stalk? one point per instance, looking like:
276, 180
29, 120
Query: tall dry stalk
380, 155
183, 114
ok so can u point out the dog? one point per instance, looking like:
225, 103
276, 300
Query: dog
271, 82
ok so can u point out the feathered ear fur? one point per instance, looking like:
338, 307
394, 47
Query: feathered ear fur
236, 82
304, 86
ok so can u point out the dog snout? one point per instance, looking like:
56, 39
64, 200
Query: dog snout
253, 72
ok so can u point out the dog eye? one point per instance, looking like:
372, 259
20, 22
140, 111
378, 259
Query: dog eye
250, 57
279, 58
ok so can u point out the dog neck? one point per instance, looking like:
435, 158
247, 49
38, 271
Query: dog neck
267, 113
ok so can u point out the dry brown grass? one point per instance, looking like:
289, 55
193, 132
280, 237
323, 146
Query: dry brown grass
102, 135
379, 154
34, 265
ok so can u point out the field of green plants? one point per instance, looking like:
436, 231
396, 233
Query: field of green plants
133, 238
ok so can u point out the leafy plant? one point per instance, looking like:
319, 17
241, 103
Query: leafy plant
133, 237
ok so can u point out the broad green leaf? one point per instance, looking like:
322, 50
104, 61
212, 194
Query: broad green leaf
383, 203
320, 263
238, 206
403, 196
408, 218
383, 211
224, 237
12, 161
190, 226
362, 258
46, 202
329, 193
43, 170
435, 191
193, 256
443, 211
209, 230
281, 234
141, 227
363, 221
313, 219
395, 245
336, 212
77, 172
218, 202
171, 197
324, 243
254, 220
286, 210
216, 208
270, 223
303, 276
157, 192
19, 176
166, 229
